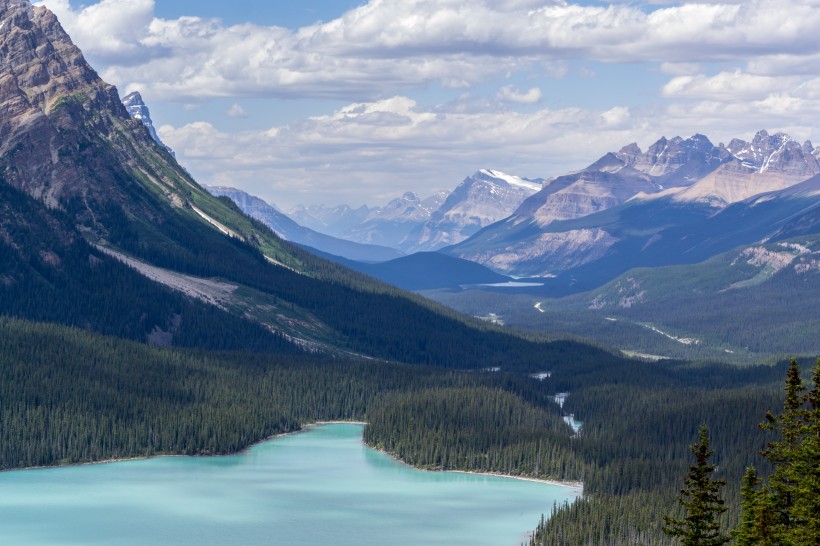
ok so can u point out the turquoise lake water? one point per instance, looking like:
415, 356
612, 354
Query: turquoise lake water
320, 487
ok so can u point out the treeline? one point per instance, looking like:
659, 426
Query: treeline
473, 428
69, 396
638, 421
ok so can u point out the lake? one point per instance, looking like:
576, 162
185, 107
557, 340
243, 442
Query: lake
319, 487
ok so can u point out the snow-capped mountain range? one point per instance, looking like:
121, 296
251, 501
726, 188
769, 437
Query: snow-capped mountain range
631, 204
679, 201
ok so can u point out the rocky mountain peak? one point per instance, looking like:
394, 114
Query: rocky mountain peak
777, 153
666, 156
65, 137
40, 62
138, 110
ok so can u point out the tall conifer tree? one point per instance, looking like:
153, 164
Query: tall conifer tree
701, 501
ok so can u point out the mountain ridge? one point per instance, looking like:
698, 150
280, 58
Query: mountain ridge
564, 228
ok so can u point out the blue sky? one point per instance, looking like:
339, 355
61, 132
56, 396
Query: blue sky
292, 15
359, 101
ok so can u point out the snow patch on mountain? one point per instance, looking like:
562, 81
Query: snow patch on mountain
512, 180
480, 200
138, 110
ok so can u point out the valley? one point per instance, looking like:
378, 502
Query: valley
578, 326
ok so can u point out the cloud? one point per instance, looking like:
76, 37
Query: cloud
735, 85
351, 153
236, 111
370, 152
386, 46
375, 56
510, 94
110, 30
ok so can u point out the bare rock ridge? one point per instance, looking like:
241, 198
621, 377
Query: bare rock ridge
546, 236
43, 80
67, 139
138, 110
480, 200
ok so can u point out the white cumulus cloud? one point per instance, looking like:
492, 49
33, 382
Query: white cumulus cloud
508, 93
385, 46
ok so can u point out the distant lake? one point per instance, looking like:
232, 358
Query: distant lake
319, 487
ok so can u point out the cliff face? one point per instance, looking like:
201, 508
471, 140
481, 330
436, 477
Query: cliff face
65, 137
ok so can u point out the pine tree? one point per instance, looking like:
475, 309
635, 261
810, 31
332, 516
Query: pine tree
701, 501
756, 520
787, 509
806, 504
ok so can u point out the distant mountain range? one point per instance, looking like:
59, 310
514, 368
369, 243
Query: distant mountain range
411, 224
480, 200
388, 225
687, 250
681, 201
289, 230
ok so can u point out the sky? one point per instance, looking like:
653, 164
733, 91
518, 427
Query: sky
357, 102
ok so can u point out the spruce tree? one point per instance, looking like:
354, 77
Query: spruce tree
701, 501
787, 509
756, 520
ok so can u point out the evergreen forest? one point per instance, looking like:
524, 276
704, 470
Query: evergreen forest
68, 396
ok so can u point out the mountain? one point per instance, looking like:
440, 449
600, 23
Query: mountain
745, 304
768, 163
333, 221
388, 225
138, 110
426, 271
624, 211
481, 199
289, 230
411, 224
103, 229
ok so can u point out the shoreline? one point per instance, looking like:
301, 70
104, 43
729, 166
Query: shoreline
156, 455
573, 485
303, 428
576, 486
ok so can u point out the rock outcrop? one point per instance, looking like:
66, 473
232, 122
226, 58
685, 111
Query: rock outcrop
65, 137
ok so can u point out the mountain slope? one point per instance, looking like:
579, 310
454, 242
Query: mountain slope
289, 230
70, 145
481, 199
620, 212
425, 271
